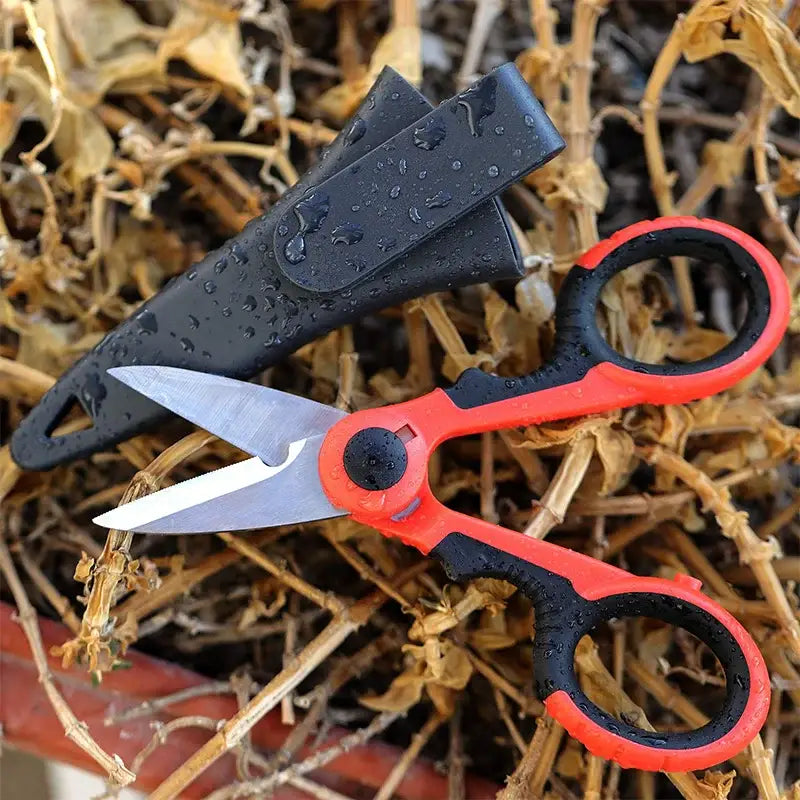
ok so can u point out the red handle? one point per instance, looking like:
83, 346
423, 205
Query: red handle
375, 463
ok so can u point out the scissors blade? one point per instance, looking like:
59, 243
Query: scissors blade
259, 420
246, 495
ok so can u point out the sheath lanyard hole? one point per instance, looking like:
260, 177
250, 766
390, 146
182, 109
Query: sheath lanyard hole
649, 294
666, 658
72, 417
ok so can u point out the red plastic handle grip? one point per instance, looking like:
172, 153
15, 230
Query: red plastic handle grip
584, 376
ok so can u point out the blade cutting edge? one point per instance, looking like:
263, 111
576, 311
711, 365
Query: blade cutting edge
259, 420
246, 495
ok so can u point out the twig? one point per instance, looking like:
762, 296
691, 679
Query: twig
418, 741
75, 730
752, 550
340, 627
555, 501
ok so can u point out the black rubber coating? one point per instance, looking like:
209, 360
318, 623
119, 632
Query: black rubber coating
236, 312
422, 179
563, 617
375, 458
580, 345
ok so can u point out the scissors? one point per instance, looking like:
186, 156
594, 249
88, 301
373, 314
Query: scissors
311, 461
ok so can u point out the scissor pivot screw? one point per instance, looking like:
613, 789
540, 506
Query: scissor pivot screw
375, 458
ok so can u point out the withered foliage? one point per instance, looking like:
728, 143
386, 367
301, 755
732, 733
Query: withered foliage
136, 136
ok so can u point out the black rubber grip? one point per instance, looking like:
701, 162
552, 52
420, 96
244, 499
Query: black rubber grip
237, 312
562, 617
580, 345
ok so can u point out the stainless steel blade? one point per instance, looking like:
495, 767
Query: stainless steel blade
259, 420
246, 495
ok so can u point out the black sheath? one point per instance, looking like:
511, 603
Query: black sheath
402, 203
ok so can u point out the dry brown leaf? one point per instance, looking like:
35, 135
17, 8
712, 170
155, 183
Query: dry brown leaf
726, 160
764, 42
535, 299
81, 143
404, 692
210, 43
788, 183
400, 48
696, 343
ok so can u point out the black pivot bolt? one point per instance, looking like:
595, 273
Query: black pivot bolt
375, 458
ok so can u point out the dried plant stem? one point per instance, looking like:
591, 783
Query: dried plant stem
456, 788
593, 781
764, 184
752, 550
584, 28
164, 729
115, 568
641, 504
262, 786
150, 707
554, 503
486, 11
75, 730
317, 650
513, 730
294, 582
487, 479
528, 705
660, 181
698, 563
526, 782
418, 741
54, 597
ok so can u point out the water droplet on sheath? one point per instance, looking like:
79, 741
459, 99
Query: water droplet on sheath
499, 130
456, 165
479, 103
529, 121
191, 274
187, 345
220, 266
194, 323
147, 322
394, 191
93, 393
386, 243
283, 230
311, 212
250, 303
357, 130
347, 233
249, 333
493, 171
413, 214
226, 312
439, 200
210, 287
402, 166
430, 135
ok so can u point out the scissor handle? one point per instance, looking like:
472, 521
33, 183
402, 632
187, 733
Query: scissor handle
606, 379
563, 616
